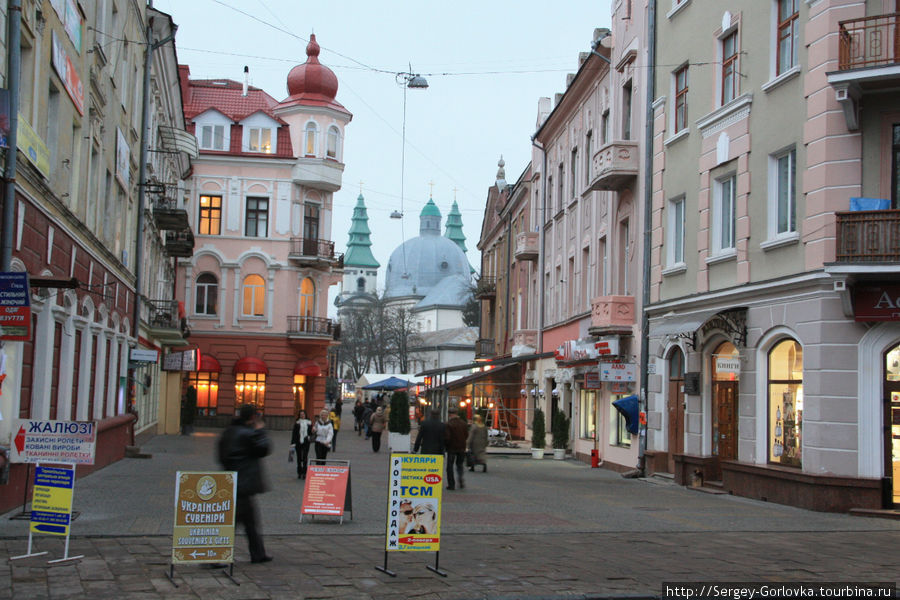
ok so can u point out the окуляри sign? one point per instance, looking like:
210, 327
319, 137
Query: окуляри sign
414, 502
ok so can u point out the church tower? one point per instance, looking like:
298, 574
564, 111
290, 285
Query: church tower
360, 266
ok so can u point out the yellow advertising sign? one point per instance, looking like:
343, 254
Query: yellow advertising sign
414, 502
204, 517
51, 502
33, 147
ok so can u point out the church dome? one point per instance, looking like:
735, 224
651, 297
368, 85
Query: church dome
312, 79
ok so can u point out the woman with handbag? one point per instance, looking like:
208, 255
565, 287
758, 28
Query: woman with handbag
300, 438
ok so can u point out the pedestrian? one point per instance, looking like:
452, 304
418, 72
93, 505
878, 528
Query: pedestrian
368, 411
432, 435
335, 417
377, 422
478, 443
323, 434
241, 447
457, 434
358, 410
301, 438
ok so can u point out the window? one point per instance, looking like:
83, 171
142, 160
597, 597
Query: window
788, 35
361, 284
676, 231
624, 252
588, 414
588, 149
207, 386
618, 432
601, 267
626, 111
729, 68
260, 140
310, 138
786, 192
604, 127
207, 293
257, 221
573, 167
311, 222
681, 106
299, 390
308, 297
895, 168
548, 201
212, 137
561, 183
250, 388
334, 143
723, 215
786, 403
210, 215
254, 296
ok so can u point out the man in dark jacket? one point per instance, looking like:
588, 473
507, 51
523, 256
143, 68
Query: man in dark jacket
241, 447
457, 435
432, 435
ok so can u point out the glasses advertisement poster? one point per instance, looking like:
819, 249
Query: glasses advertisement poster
414, 502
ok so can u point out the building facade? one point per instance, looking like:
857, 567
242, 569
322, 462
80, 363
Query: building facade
256, 288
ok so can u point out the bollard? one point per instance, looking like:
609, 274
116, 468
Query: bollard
595, 458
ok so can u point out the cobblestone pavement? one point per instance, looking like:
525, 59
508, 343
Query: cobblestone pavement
526, 529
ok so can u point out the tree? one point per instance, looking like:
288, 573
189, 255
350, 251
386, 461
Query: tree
398, 419
402, 335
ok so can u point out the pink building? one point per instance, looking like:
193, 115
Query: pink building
256, 288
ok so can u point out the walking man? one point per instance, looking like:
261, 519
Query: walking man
457, 435
432, 435
241, 447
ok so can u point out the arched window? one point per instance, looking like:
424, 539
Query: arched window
207, 294
307, 298
309, 142
785, 378
361, 284
254, 296
334, 143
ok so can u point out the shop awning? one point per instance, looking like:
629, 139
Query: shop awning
307, 367
208, 364
493, 376
686, 323
250, 364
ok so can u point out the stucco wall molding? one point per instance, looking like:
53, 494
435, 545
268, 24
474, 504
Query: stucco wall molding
725, 116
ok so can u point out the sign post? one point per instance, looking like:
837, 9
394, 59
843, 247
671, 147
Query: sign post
51, 506
327, 489
414, 507
204, 519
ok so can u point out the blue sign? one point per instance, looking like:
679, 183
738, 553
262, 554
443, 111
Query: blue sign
15, 306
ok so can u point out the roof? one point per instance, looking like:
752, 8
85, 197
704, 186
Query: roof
451, 291
456, 336
226, 96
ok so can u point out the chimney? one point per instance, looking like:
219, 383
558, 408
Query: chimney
246, 79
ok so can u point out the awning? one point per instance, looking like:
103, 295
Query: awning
250, 364
686, 323
481, 375
208, 364
307, 367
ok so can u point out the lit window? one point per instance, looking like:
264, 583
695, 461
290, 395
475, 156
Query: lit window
681, 105
250, 388
786, 403
210, 215
207, 386
788, 34
260, 140
254, 296
724, 215
207, 292
334, 143
310, 139
729, 68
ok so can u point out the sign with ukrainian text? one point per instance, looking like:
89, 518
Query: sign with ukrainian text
72, 442
414, 502
51, 500
15, 306
326, 489
204, 517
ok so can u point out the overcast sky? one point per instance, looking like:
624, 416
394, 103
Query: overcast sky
487, 64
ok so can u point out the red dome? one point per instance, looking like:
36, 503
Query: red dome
312, 77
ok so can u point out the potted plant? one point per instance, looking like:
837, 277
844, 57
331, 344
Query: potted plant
398, 422
538, 434
560, 435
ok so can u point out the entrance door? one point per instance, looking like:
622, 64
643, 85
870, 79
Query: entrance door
892, 424
675, 407
725, 398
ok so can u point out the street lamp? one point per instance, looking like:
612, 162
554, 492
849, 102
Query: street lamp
412, 81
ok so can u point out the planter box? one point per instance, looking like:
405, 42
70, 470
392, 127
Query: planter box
398, 442
559, 454
537, 453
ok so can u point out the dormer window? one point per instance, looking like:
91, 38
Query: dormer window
309, 141
334, 143
212, 137
260, 140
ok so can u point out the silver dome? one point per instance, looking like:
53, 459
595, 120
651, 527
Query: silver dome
419, 264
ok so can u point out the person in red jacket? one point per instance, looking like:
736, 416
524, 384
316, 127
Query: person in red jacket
457, 435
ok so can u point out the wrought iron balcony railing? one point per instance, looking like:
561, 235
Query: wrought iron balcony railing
868, 236
486, 287
311, 248
869, 42
310, 326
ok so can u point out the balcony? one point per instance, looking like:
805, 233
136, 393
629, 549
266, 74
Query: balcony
168, 211
311, 252
166, 321
868, 236
615, 166
527, 245
612, 314
300, 327
318, 173
484, 349
180, 243
486, 288
524, 342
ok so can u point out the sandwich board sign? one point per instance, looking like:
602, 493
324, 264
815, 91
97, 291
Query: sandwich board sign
327, 489
204, 517
51, 506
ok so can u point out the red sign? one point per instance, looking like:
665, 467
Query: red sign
592, 380
876, 303
327, 490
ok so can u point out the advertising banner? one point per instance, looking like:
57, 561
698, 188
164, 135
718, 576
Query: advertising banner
327, 490
33, 147
414, 502
204, 517
54, 441
186, 360
51, 503
618, 371
15, 306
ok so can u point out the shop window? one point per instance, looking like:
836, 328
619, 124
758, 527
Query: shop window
207, 386
588, 415
618, 432
786, 403
250, 388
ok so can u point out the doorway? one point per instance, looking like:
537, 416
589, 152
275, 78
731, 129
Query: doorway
675, 406
892, 424
725, 371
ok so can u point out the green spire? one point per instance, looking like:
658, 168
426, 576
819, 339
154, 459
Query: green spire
359, 253
454, 227
430, 210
